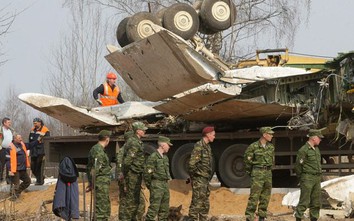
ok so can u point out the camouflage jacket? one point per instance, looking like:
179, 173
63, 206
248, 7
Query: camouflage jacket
157, 168
134, 158
103, 167
308, 161
200, 163
258, 156
119, 160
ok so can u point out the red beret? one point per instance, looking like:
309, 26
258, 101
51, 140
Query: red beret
208, 129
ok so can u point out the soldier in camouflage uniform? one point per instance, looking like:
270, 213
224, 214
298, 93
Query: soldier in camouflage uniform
308, 170
259, 159
133, 167
102, 176
156, 176
200, 171
121, 182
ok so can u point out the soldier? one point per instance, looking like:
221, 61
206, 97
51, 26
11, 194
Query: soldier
156, 176
259, 159
99, 162
133, 168
308, 170
200, 171
121, 182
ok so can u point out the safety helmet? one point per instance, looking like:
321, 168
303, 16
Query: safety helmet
37, 119
111, 75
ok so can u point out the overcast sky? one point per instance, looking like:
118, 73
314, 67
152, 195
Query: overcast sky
36, 30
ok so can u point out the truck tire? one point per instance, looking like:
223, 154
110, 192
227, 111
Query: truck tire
218, 15
122, 33
182, 20
149, 148
139, 26
232, 168
180, 161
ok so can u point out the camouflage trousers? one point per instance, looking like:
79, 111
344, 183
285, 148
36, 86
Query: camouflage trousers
133, 196
261, 188
199, 207
122, 201
159, 201
103, 203
310, 196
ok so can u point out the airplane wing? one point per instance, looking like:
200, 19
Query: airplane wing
78, 117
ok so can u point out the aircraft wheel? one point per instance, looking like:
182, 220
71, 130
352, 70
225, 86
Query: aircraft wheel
232, 167
122, 34
139, 26
218, 15
182, 20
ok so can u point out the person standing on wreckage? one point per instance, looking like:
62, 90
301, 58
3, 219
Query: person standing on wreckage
133, 166
108, 93
99, 162
308, 170
259, 159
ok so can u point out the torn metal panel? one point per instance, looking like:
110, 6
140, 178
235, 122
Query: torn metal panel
161, 66
237, 110
77, 117
192, 102
257, 73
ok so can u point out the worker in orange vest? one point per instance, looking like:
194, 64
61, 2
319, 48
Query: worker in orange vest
17, 165
109, 92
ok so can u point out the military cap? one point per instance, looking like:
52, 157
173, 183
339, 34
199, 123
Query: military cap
163, 139
139, 126
128, 134
208, 129
267, 130
314, 132
105, 133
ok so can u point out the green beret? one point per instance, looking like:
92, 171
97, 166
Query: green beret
139, 126
314, 132
105, 133
267, 130
128, 134
163, 139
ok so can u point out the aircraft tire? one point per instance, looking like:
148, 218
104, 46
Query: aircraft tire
181, 19
139, 26
217, 15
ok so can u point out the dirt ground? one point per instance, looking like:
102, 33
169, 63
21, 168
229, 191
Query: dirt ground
224, 204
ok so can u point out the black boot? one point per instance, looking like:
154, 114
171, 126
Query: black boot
261, 218
313, 219
298, 219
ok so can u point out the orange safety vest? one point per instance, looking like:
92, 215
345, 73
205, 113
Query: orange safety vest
13, 157
44, 130
109, 96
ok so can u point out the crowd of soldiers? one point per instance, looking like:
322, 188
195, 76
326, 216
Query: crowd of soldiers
16, 156
134, 169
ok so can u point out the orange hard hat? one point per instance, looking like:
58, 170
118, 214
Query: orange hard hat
111, 75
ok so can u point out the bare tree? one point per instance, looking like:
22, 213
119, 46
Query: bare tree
17, 111
7, 18
259, 23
